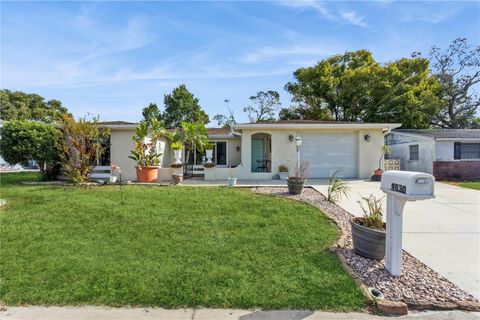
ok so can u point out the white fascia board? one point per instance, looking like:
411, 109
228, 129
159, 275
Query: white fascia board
413, 135
458, 139
297, 126
120, 126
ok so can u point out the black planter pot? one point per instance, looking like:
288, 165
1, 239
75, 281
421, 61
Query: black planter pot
368, 243
295, 185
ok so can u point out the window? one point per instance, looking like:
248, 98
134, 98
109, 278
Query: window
221, 153
414, 152
469, 150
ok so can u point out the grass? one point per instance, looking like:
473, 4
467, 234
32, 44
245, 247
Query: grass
167, 246
466, 184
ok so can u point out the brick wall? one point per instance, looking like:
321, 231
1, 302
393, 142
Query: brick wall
456, 170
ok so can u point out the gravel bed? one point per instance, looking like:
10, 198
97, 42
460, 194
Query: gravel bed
418, 284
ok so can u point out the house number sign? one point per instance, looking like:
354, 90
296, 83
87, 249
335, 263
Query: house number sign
399, 188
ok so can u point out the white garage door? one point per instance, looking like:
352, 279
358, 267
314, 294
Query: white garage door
327, 152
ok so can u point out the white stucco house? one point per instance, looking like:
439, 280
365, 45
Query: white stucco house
256, 150
445, 153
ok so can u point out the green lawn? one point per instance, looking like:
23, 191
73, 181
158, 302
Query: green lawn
167, 246
467, 184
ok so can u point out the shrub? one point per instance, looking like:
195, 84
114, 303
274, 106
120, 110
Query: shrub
83, 144
23, 140
176, 146
282, 168
145, 153
336, 187
372, 213
209, 146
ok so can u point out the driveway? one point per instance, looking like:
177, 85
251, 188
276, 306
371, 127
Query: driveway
443, 233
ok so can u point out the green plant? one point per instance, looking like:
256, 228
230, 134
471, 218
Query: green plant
336, 187
372, 212
282, 168
192, 135
82, 144
176, 146
384, 151
209, 146
147, 135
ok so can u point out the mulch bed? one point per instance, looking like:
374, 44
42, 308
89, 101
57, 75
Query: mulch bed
419, 286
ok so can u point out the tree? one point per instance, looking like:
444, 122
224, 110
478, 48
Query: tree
192, 135
225, 120
24, 140
182, 106
82, 145
18, 105
263, 107
151, 112
354, 87
457, 69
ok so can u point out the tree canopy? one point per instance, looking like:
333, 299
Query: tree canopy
263, 106
180, 106
18, 105
354, 87
151, 112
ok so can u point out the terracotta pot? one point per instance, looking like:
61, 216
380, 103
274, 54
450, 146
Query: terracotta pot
147, 174
378, 172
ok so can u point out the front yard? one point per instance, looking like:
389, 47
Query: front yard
475, 185
167, 246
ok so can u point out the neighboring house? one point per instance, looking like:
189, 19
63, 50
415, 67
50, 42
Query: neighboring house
255, 150
445, 153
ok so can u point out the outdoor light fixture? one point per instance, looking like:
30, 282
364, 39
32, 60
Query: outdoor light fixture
290, 137
366, 137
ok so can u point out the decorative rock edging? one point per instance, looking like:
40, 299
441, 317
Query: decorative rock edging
418, 288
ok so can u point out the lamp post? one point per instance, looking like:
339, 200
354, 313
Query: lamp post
298, 143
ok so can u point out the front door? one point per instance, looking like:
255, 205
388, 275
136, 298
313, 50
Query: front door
258, 153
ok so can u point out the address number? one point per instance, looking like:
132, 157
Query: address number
399, 188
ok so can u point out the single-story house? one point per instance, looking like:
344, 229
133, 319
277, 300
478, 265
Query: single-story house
445, 153
256, 150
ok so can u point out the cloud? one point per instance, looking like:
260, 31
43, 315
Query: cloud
317, 6
271, 53
353, 18
429, 15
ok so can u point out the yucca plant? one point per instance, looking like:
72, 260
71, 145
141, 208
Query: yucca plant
336, 187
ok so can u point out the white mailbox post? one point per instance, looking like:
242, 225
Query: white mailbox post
401, 186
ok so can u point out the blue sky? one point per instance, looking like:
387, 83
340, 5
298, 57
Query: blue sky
113, 58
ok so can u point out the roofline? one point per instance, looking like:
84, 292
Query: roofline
457, 139
332, 125
119, 126
413, 135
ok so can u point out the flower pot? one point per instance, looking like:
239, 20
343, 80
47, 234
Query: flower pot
232, 182
177, 178
113, 179
295, 185
178, 156
378, 172
147, 174
209, 155
368, 243
283, 175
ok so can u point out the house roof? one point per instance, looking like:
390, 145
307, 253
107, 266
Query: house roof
109, 123
314, 124
448, 134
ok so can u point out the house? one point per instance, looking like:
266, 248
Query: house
255, 150
445, 153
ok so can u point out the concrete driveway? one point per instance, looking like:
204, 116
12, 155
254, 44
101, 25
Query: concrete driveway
443, 233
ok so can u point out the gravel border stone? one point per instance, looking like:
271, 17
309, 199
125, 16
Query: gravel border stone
419, 287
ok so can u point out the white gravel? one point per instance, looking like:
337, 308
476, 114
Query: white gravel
418, 285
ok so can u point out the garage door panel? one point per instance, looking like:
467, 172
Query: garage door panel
329, 152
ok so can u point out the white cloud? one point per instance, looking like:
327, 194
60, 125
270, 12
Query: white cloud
271, 53
309, 4
353, 18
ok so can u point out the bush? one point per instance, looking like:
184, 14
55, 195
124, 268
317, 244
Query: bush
282, 168
176, 146
23, 140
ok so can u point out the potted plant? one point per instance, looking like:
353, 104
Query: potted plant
177, 149
145, 152
295, 183
209, 152
377, 173
283, 172
232, 180
368, 232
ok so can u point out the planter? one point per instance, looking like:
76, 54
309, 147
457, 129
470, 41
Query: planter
378, 172
177, 178
147, 174
178, 156
368, 243
113, 179
283, 175
209, 155
295, 185
232, 182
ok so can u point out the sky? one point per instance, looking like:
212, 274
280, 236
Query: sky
113, 58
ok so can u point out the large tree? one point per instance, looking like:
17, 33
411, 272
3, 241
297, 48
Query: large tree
18, 105
354, 87
458, 70
263, 106
151, 112
180, 106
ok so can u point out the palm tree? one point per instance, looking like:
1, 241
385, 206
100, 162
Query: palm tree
193, 136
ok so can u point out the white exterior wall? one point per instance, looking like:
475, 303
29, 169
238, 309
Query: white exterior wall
234, 156
426, 154
444, 151
369, 152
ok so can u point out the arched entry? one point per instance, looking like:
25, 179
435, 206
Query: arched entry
261, 152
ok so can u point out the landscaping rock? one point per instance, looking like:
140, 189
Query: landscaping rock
392, 308
419, 286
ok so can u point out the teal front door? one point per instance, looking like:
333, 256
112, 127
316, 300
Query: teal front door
258, 153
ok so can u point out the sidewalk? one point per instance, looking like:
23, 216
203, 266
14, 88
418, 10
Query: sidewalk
104, 313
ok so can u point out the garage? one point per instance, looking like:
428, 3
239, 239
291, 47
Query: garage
327, 152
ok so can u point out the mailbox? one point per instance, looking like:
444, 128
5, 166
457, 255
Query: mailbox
400, 187
408, 184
